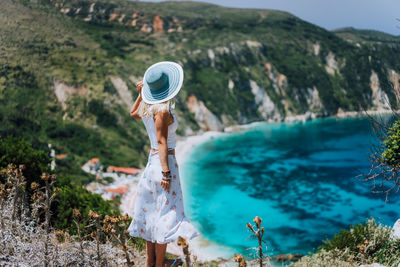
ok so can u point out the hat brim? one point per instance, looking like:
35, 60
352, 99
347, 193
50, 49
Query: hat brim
175, 77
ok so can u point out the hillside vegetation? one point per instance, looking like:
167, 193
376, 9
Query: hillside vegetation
68, 70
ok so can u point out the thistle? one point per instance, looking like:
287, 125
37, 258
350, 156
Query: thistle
258, 232
185, 248
77, 220
95, 219
49, 195
239, 259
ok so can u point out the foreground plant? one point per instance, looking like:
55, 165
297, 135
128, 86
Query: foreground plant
48, 196
239, 259
77, 220
258, 232
95, 218
16, 189
182, 242
117, 227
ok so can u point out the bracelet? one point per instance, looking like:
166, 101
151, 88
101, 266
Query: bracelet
166, 179
166, 174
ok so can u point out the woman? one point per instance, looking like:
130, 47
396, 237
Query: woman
158, 215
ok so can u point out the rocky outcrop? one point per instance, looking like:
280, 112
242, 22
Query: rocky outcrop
158, 24
266, 107
316, 49
253, 44
204, 117
313, 100
380, 99
331, 64
211, 56
122, 89
113, 16
396, 230
64, 91
394, 78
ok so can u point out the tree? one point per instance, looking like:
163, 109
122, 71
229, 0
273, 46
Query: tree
385, 157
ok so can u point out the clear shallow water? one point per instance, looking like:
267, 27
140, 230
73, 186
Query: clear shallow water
299, 178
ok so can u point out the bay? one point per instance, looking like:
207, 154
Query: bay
300, 178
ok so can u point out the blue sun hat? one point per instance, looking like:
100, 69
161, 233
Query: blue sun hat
162, 81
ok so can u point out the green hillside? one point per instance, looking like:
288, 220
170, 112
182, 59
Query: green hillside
356, 35
68, 70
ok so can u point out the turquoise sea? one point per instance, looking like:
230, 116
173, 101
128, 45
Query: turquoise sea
300, 178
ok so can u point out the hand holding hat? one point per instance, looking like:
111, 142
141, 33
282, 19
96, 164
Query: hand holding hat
139, 86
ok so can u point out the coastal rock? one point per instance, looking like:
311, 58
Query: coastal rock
395, 80
396, 230
279, 81
265, 105
204, 117
302, 118
123, 91
313, 100
380, 98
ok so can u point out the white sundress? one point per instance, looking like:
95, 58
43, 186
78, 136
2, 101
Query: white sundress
159, 216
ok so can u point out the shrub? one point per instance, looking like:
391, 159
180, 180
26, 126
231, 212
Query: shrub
391, 154
389, 254
17, 151
361, 238
362, 244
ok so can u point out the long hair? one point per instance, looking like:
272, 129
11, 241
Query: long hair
148, 110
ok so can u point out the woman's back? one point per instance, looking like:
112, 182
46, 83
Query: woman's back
151, 131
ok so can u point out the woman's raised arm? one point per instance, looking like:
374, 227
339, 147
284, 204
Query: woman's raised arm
135, 108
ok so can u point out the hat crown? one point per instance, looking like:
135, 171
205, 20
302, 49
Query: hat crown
157, 79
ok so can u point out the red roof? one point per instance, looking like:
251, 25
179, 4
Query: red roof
61, 156
123, 170
119, 190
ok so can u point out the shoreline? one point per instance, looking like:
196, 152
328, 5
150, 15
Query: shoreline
309, 116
